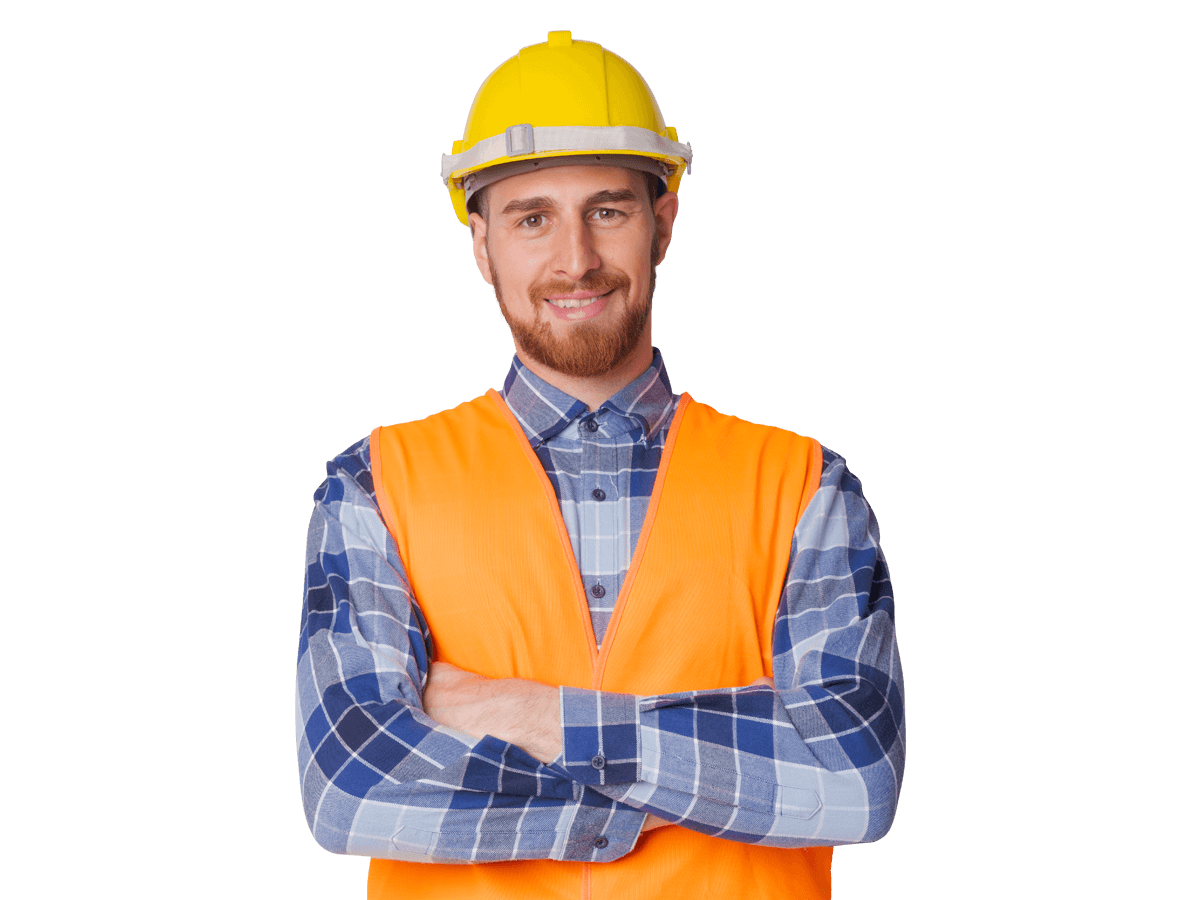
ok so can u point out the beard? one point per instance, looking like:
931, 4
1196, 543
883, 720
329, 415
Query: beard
590, 348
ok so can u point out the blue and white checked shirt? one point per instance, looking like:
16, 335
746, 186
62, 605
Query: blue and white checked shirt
816, 761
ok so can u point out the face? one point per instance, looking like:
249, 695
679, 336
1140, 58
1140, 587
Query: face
571, 253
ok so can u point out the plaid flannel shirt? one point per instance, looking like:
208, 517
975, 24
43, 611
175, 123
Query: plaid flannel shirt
818, 760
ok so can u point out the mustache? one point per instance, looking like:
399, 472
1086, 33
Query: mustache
592, 281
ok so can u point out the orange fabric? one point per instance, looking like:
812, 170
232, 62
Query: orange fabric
491, 564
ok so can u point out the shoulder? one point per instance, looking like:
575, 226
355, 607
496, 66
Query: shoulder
837, 477
346, 517
839, 514
348, 473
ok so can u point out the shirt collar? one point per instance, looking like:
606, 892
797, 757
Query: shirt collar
544, 411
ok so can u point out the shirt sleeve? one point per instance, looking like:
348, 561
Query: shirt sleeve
378, 776
816, 761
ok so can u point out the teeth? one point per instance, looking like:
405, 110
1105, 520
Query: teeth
574, 303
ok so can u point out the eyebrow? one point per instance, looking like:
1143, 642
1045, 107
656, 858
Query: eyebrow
533, 204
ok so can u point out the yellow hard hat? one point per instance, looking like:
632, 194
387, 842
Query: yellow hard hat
558, 100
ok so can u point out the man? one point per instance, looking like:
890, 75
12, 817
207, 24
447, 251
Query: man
586, 636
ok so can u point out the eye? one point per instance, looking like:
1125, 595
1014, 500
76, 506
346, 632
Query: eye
605, 214
532, 221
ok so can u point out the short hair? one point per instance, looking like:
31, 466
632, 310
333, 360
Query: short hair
478, 203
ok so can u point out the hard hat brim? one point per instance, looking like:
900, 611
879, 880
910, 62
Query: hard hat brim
526, 144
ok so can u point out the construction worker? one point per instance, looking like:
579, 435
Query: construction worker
586, 637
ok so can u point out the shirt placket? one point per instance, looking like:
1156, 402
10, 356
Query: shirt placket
599, 561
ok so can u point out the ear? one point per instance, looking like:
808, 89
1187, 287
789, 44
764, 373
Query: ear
479, 245
666, 208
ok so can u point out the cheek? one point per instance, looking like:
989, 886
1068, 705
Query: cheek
520, 269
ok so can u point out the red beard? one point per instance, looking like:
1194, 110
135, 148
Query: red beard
592, 348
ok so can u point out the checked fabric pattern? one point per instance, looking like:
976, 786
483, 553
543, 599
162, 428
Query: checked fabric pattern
816, 761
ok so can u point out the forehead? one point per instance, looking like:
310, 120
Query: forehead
565, 185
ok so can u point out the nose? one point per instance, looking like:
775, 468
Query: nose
575, 252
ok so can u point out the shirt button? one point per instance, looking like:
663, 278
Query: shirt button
598, 761
598, 494
591, 425
597, 590
600, 843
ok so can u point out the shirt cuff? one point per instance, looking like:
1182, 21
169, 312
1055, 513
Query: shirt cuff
600, 736
602, 830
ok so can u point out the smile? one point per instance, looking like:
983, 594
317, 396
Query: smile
575, 302
580, 306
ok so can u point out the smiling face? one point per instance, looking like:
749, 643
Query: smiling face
571, 253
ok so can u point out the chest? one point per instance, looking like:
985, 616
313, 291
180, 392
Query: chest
490, 556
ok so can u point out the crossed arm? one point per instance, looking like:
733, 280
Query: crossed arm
521, 712
403, 759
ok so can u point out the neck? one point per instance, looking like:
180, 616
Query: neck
595, 389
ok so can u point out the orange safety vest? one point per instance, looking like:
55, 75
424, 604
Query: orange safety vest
483, 541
